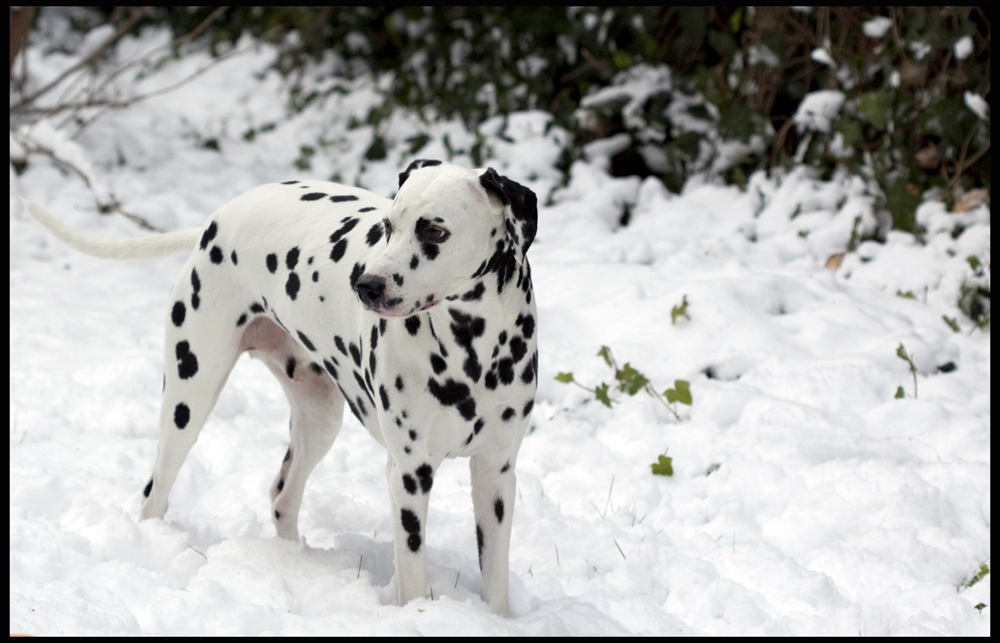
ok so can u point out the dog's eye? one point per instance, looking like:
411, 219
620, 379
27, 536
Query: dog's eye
388, 228
435, 233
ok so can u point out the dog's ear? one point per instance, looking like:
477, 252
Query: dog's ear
416, 165
520, 212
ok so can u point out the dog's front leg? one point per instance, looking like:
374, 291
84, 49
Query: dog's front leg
408, 494
493, 489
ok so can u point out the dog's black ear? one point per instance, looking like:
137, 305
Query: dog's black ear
520, 210
416, 165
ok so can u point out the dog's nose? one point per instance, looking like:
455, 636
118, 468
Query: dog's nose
370, 289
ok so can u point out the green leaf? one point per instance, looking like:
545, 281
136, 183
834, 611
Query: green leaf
565, 378
899, 393
601, 393
735, 18
849, 128
905, 295
877, 106
984, 569
680, 310
952, 324
605, 352
680, 393
664, 467
632, 381
974, 263
901, 354
721, 42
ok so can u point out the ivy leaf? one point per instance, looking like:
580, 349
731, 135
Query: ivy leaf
678, 311
601, 393
680, 393
565, 378
901, 354
899, 393
605, 352
664, 467
877, 106
632, 381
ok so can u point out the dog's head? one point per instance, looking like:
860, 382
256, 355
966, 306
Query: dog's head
448, 230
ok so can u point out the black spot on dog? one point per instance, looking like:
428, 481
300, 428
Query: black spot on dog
368, 209
479, 544
340, 344
517, 349
505, 467
232, 256
412, 325
453, 393
149, 487
374, 235
208, 235
411, 524
506, 370
292, 286
337, 253
281, 485
385, 397
528, 373
312, 196
508, 414
476, 293
187, 363
527, 324
292, 258
215, 255
438, 364
290, 368
182, 415
399, 383
527, 408
343, 198
330, 368
356, 272
305, 340
272, 263
242, 320
414, 262
348, 225
177, 314
498, 509
426, 476
409, 484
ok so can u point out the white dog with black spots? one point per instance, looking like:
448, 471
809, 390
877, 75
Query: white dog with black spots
417, 312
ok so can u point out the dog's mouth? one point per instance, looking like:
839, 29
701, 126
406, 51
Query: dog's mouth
397, 311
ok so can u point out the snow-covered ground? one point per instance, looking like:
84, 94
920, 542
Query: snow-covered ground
805, 498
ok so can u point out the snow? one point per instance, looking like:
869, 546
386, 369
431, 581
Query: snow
805, 498
963, 47
876, 27
976, 103
817, 110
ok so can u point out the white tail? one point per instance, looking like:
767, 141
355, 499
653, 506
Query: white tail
133, 248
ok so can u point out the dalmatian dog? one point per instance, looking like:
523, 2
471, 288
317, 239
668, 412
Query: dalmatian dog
417, 313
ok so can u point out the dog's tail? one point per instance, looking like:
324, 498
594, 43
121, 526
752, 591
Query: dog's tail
134, 248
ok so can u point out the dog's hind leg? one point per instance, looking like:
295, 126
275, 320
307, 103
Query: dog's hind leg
201, 346
317, 408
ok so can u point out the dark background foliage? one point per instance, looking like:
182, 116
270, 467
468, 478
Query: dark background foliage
741, 72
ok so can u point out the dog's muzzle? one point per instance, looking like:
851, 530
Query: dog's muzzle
371, 290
